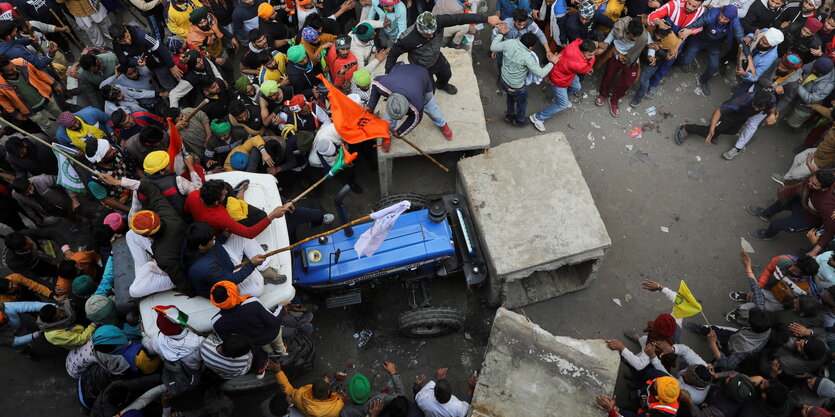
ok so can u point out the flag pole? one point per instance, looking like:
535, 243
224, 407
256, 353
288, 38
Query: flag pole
422, 152
299, 243
307, 191
96, 173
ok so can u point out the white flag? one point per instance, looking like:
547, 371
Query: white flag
370, 241
67, 175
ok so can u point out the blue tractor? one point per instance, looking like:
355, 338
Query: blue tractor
435, 238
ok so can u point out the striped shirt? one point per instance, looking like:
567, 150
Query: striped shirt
225, 367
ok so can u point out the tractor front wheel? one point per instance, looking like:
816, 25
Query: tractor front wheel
430, 322
418, 201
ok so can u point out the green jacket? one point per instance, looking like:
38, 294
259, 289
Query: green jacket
517, 61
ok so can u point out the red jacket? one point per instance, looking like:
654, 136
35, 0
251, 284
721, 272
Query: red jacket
219, 218
571, 63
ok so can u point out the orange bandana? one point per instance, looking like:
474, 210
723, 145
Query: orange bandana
232, 297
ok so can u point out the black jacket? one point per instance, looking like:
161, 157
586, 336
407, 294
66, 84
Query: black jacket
169, 239
759, 16
40, 160
250, 318
303, 81
425, 51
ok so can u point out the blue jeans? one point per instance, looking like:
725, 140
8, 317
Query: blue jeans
646, 73
430, 108
517, 102
560, 100
713, 50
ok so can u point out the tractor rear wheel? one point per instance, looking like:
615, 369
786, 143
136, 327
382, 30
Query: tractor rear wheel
419, 201
430, 322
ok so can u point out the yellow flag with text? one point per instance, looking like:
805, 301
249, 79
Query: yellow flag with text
685, 304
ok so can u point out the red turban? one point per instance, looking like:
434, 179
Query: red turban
145, 223
814, 25
665, 325
166, 326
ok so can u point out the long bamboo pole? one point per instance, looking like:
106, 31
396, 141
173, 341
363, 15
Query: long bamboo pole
70, 157
302, 242
410, 143
70, 32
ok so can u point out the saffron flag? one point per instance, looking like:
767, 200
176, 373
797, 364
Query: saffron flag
67, 175
175, 143
173, 313
370, 241
685, 304
353, 122
342, 160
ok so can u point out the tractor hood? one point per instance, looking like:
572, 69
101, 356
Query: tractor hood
413, 241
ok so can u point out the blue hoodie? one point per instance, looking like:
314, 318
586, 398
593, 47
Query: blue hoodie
16, 48
245, 18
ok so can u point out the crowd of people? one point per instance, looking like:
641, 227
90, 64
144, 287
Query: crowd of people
248, 85
92, 154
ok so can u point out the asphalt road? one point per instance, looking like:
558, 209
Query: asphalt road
640, 185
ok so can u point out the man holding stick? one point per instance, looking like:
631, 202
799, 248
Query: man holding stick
409, 92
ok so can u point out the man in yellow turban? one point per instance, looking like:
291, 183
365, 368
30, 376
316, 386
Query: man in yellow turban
174, 187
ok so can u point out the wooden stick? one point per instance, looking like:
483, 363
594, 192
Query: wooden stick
297, 244
196, 109
70, 32
424, 154
307, 191
96, 173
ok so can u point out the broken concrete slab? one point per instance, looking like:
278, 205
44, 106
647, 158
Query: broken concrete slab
536, 219
530, 372
463, 112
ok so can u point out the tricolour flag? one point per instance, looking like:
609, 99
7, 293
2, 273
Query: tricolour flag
685, 304
370, 241
67, 175
174, 314
342, 160
353, 122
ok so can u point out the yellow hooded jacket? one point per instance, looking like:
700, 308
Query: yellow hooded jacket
307, 404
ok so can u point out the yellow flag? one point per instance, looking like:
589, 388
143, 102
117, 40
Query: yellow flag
686, 304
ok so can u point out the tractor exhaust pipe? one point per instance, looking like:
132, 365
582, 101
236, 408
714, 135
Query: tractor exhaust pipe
341, 210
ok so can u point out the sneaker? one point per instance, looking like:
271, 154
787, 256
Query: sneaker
757, 211
327, 218
520, 123
705, 89
681, 134
538, 124
760, 234
635, 102
574, 98
699, 329
631, 335
449, 89
613, 109
271, 276
463, 46
731, 153
568, 105
447, 131
651, 93
732, 316
510, 119
600, 100
779, 178
740, 296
